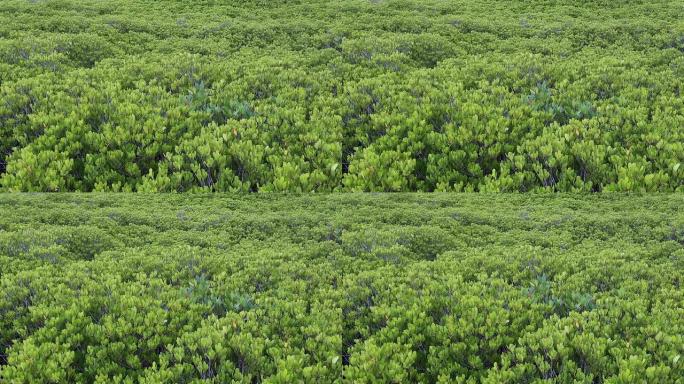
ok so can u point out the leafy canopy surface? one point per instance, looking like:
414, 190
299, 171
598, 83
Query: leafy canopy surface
352, 95
448, 288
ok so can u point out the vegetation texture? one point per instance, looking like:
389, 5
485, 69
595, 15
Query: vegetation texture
474, 288
379, 95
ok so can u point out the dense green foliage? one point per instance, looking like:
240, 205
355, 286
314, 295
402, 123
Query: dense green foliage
357, 95
345, 288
